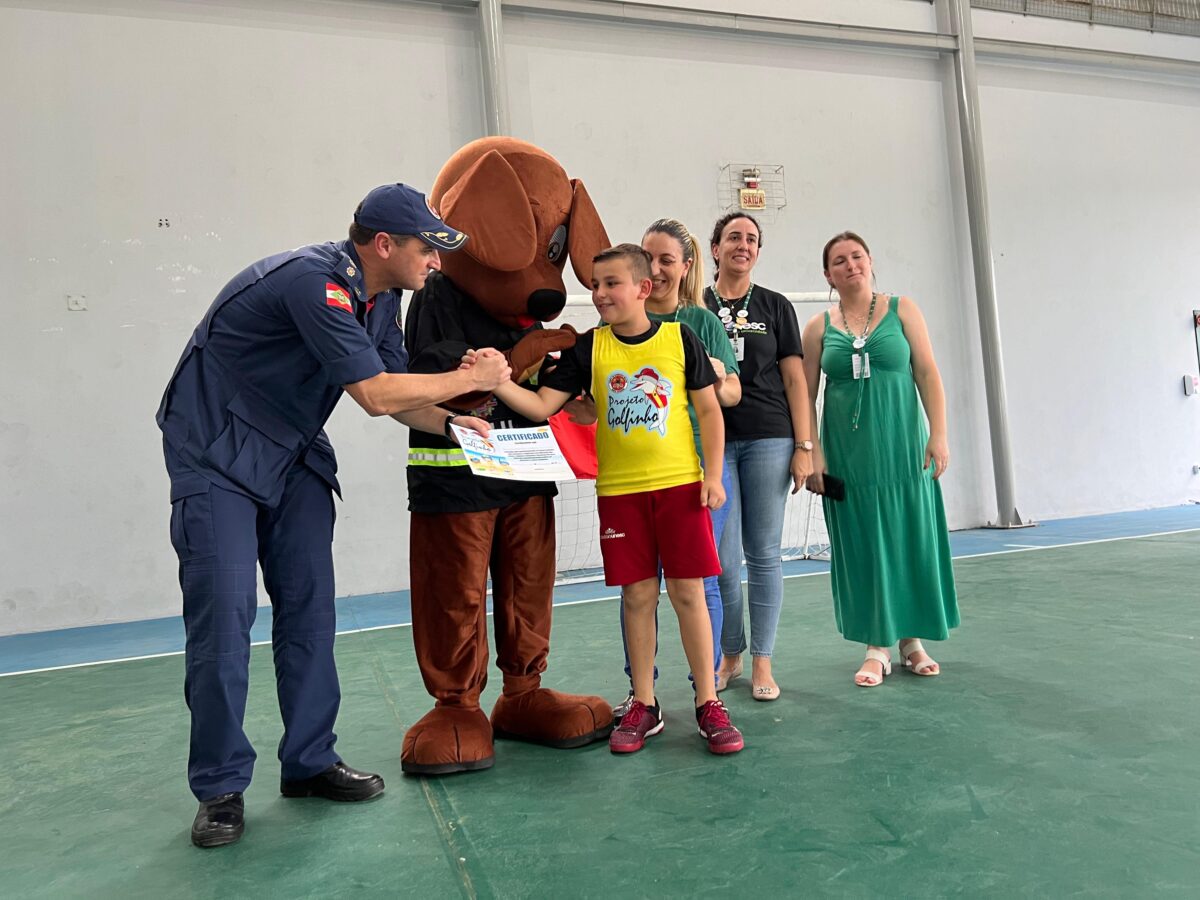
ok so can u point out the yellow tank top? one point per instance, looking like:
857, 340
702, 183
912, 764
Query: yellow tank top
643, 433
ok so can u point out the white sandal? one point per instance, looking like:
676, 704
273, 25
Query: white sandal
885, 661
910, 646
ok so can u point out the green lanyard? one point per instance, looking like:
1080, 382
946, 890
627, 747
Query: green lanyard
863, 366
732, 318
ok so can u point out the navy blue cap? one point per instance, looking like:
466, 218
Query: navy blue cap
398, 209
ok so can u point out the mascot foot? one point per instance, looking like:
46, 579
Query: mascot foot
448, 739
542, 716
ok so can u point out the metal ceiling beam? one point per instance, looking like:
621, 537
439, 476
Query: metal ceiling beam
495, 83
979, 224
1108, 59
653, 16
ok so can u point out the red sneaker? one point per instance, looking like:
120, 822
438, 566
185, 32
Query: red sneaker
716, 728
639, 723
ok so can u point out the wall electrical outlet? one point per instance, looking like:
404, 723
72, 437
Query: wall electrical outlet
76, 302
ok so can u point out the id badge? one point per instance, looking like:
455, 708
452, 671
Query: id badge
861, 364
739, 348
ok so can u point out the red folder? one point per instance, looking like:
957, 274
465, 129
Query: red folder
578, 444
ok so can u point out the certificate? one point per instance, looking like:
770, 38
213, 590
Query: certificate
518, 454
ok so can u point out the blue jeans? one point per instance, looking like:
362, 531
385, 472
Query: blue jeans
761, 475
712, 590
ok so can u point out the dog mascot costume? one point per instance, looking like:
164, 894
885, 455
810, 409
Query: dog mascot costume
524, 218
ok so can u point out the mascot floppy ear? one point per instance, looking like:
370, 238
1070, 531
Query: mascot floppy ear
497, 217
586, 237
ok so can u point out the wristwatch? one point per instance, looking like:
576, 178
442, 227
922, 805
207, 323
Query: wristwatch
446, 427
804, 445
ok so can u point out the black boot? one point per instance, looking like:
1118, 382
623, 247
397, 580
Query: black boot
338, 782
219, 821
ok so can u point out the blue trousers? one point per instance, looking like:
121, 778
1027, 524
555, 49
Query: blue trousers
220, 537
712, 590
761, 473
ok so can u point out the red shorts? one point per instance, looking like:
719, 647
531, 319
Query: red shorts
637, 531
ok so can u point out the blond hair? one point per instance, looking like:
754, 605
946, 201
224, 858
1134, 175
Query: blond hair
691, 291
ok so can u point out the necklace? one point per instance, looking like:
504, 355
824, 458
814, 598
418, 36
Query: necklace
861, 340
667, 316
860, 360
733, 316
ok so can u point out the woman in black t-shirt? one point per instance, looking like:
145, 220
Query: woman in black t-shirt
768, 444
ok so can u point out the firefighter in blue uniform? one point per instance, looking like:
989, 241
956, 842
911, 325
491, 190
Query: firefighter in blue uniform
253, 474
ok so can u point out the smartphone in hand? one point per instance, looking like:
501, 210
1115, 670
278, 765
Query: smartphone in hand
835, 488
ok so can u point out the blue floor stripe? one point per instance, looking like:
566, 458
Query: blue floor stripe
96, 643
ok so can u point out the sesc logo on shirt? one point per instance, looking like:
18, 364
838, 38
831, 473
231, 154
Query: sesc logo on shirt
336, 295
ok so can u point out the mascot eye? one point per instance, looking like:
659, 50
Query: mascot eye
558, 244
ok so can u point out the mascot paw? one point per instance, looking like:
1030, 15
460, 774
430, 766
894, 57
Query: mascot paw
525, 358
448, 739
542, 716
527, 355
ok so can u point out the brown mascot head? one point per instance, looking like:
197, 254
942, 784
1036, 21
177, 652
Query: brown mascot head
525, 217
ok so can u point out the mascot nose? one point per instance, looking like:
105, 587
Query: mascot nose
544, 304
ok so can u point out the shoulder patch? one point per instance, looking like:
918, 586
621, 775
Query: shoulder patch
336, 295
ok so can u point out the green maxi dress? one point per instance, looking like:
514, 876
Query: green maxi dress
892, 576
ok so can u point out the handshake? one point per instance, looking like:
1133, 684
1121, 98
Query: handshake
488, 368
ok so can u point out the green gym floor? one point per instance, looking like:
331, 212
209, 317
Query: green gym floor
1057, 755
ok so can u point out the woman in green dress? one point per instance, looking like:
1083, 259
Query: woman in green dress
891, 576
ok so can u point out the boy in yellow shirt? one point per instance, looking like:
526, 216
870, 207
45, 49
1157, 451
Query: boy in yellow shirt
652, 495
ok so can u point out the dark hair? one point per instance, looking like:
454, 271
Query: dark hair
362, 236
637, 259
719, 230
837, 238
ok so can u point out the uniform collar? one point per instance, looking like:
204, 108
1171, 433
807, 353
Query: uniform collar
350, 267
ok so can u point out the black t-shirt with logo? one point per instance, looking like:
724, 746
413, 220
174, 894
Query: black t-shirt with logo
769, 332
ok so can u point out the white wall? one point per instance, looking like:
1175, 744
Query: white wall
649, 117
1095, 237
254, 125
